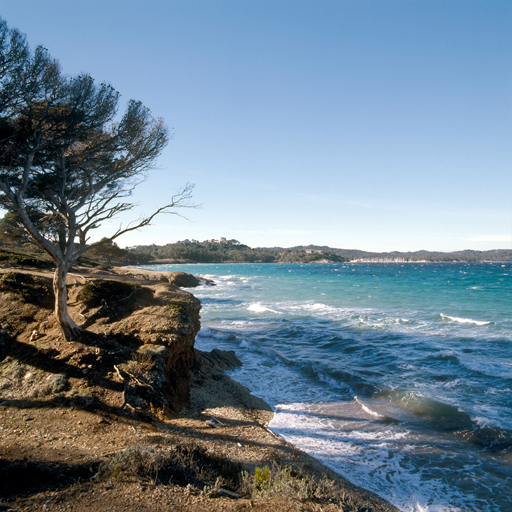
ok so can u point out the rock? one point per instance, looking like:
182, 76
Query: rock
220, 359
59, 383
183, 280
165, 324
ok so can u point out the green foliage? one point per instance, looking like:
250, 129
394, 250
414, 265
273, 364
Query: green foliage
107, 251
277, 482
12, 231
261, 480
19, 258
430, 256
33, 289
287, 481
232, 251
229, 251
177, 309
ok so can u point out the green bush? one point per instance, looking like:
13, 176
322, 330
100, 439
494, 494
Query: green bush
287, 481
33, 289
18, 258
177, 309
97, 293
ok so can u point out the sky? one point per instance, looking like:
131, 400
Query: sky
360, 124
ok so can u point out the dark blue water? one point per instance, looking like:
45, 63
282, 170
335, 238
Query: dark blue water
398, 376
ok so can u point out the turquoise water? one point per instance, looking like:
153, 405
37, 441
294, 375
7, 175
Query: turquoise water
398, 376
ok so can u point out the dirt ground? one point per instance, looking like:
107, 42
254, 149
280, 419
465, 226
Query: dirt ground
70, 440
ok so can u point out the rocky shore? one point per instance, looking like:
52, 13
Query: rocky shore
132, 417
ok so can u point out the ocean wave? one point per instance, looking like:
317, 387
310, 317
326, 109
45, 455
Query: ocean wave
464, 320
258, 307
316, 308
500, 370
484, 422
424, 412
371, 411
417, 407
408, 458
449, 371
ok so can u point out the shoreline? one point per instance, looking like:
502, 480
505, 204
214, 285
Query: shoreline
53, 443
231, 402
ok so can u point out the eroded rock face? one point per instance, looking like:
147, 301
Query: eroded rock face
166, 325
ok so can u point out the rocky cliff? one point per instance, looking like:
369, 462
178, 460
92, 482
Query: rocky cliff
139, 340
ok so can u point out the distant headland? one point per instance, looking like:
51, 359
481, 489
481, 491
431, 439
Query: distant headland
107, 254
232, 251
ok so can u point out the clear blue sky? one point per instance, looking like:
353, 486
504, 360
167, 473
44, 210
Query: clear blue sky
371, 124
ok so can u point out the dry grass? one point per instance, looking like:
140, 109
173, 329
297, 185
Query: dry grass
192, 466
277, 481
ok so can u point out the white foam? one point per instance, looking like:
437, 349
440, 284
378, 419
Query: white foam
481, 421
400, 464
465, 320
369, 410
258, 307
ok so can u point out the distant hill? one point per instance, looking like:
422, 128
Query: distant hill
354, 254
230, 251
223, 251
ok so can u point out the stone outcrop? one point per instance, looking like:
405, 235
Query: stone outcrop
164, 324
184, 280
139, 334
180, 279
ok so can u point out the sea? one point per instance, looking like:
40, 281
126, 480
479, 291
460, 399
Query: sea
398, 376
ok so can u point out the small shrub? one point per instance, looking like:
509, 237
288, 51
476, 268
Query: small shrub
115, 299
261, 480
44, 390
18, 371
177, 309
17, 258
143, 361
135, 461
276, 482
95, 293
32, 289
267, 483
59, 383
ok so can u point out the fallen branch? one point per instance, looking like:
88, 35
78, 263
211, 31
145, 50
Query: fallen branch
231, 494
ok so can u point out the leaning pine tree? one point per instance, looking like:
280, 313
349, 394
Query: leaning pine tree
63, 159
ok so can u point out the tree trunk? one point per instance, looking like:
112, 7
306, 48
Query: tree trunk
70, 330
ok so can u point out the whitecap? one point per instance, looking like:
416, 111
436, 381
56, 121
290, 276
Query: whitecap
465, 320
484, 422
369, 410
258, 307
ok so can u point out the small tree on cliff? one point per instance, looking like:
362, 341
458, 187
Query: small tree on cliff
63, 156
